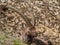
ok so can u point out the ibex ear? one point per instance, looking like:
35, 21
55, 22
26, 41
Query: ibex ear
50, 43
4, 8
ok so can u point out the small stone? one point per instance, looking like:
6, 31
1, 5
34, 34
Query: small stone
3, 1
10, 18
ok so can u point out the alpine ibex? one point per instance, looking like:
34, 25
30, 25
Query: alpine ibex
31, 34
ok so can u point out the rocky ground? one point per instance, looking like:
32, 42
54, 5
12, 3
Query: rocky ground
43, 14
